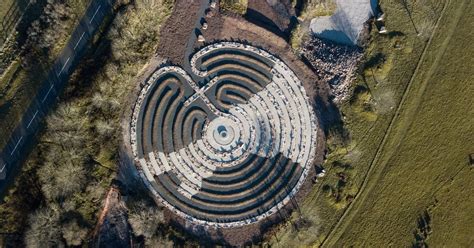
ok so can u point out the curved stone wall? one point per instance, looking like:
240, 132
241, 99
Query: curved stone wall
230, 149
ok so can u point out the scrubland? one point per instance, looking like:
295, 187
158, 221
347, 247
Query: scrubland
68, 173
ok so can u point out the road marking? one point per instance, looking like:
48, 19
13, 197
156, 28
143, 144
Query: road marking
34, 116
46, 96
3, 168
16, 146
97, 10
64, 66
77, 44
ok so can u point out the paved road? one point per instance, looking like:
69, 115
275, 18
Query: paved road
22, 139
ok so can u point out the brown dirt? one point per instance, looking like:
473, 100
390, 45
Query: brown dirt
176, 30
275, 17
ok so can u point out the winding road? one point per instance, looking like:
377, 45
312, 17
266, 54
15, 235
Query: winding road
22, 139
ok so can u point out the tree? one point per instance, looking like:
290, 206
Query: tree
44, 229
61, 181
145, 219
73, 233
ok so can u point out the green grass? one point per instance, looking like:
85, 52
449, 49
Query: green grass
7, 79
423, 165
311, 9
385, 83
236, 6
4, 6
318, 8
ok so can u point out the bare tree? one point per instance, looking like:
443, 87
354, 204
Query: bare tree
73, 233
44, 229
62, 180
145, 219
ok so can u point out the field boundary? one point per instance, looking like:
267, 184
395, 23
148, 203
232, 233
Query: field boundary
331, 237
10, 28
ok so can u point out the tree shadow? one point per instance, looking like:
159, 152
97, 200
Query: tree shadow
374, 61
393, 34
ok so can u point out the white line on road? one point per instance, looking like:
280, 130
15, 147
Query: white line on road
3, 168
77, 44
16, 146
97, 10
34, 116
46, 96
64, 66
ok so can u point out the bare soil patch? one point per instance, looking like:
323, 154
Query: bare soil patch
176, 30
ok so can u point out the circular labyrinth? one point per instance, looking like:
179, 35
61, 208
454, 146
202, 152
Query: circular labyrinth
231, 147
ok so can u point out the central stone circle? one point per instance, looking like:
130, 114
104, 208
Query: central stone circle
224, 134
231, 143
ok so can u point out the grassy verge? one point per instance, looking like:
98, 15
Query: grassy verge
4, 6
390, 61
72, 165
236, 6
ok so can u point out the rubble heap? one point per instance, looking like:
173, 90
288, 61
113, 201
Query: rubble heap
333, 63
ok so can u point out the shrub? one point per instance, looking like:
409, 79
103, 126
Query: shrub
73, 233
145, 219
44, 228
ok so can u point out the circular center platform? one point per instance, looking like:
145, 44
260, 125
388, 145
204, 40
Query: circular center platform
232, 147
223, 134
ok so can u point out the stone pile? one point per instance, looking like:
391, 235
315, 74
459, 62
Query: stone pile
334, 63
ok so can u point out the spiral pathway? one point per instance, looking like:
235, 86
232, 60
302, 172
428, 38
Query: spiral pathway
231, 148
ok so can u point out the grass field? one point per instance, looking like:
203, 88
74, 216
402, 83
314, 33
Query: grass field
4, 7
384, 81
11, 12
423, 168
